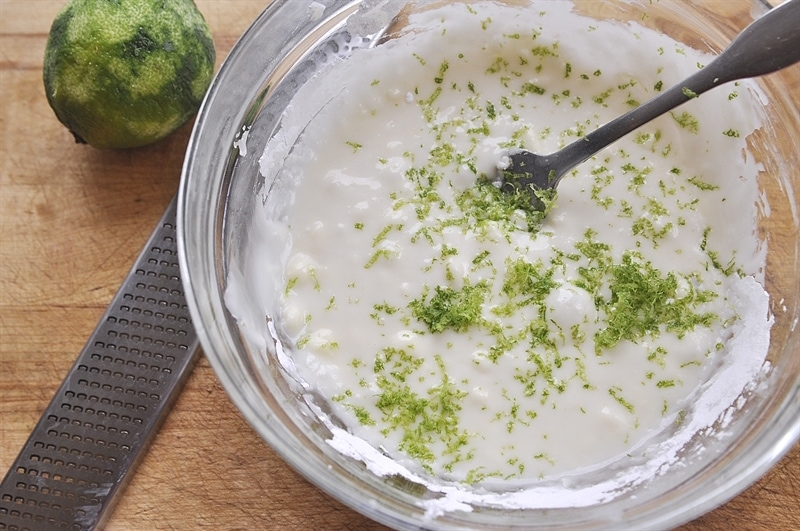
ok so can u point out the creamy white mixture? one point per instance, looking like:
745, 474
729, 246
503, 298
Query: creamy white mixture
446, 325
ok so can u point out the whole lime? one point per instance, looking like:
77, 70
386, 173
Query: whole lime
125, 73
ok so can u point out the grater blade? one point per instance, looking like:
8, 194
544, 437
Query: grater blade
95, 431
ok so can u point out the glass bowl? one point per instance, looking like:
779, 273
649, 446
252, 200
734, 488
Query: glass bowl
276, 57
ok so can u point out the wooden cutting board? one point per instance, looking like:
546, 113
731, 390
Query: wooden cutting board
72, 221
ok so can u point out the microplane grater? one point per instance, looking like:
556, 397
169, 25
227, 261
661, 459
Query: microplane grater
95, 431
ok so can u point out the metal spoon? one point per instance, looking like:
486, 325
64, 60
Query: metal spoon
767, 45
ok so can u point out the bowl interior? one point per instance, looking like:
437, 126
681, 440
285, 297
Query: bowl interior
220, 194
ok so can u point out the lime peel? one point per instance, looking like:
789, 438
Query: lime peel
126, 73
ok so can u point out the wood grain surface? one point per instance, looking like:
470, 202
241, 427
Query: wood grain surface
72, 221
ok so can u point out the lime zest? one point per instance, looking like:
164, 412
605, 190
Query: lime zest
450, 309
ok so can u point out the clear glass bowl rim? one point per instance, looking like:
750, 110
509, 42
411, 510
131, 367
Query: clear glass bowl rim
217, 128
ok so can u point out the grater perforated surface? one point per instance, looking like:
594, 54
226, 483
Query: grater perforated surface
97, 427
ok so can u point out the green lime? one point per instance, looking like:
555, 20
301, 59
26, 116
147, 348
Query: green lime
125, 73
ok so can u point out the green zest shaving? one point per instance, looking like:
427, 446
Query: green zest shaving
423, 420
450, 309
644, 301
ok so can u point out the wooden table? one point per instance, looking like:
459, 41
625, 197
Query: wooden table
72, 221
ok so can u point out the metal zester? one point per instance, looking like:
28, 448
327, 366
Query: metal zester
95, 431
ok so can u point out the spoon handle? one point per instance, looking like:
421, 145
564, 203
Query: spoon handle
769, 44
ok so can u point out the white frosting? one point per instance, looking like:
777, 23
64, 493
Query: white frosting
355, 254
